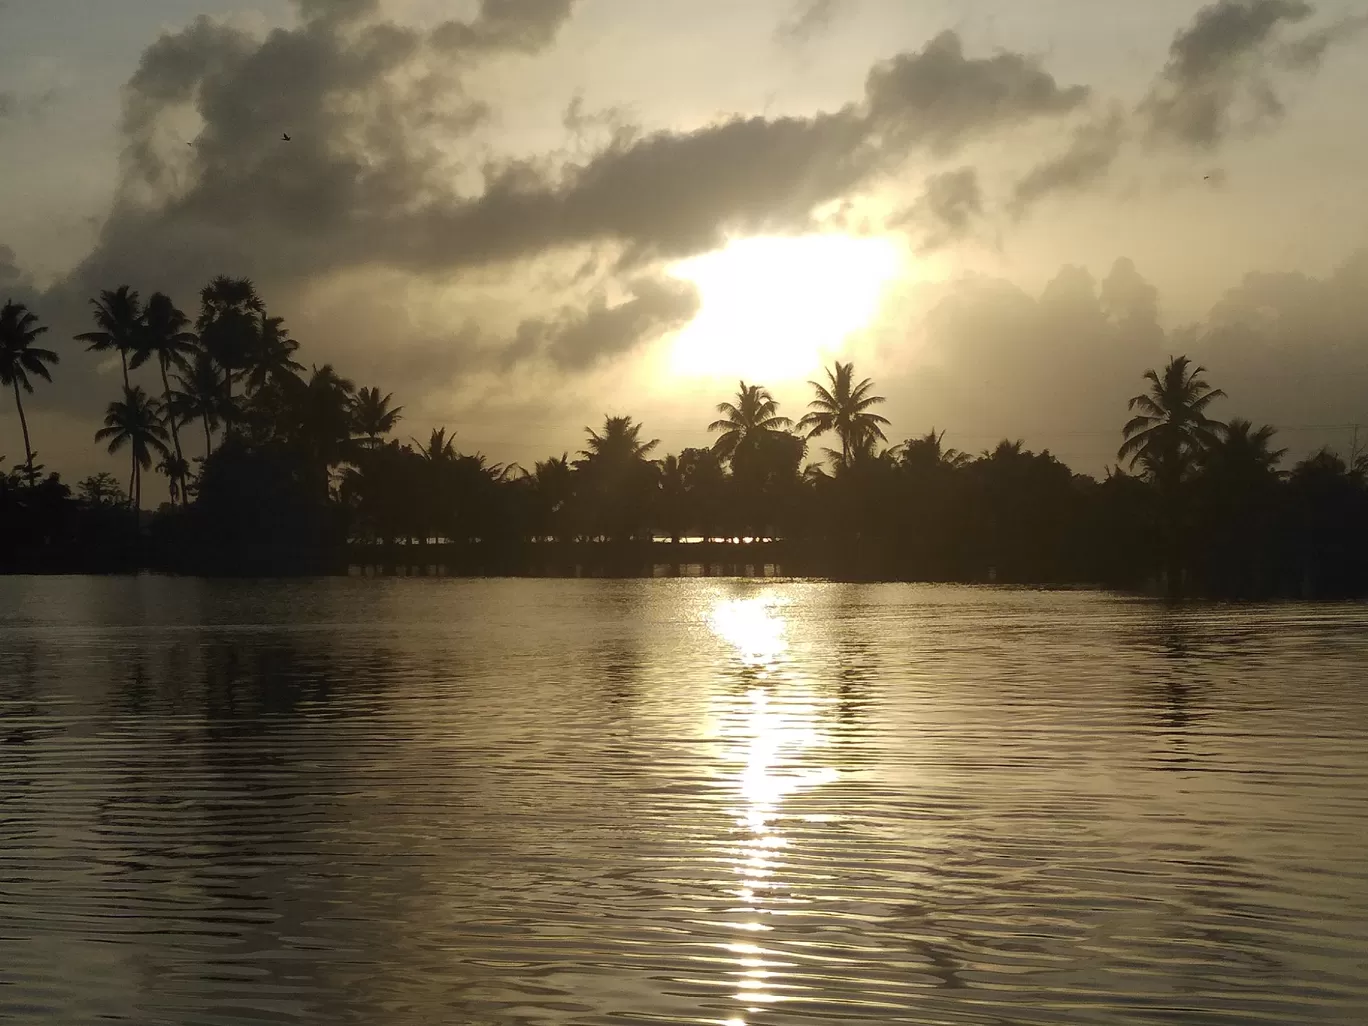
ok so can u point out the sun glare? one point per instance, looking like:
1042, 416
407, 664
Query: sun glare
776, 308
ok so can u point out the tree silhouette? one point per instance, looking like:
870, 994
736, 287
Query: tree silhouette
119, 324
199, 396
1171, 429
270, 356
1166, 438
754, 413
374, 414
842, 406
101, 489
229, 330
165, 337
618, 478
440, 448
19, 358
135, 421
927, 452
620, 443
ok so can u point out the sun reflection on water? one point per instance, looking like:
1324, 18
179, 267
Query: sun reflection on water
772, 738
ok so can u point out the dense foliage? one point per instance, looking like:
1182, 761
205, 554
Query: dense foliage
294, 471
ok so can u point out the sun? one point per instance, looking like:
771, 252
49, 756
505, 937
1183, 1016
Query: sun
775, 308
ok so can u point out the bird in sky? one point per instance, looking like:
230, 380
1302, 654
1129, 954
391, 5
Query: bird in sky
285, 136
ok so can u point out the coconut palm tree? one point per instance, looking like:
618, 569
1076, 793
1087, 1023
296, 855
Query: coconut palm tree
842, 406
229, 329
135, 421
118, 319
927, 452
1243, 452
19, 358
620, 442
374, 415
165, 337
440, 448
1166, 437
754, 413
199, 396
177, 471
271, 355
1171, 429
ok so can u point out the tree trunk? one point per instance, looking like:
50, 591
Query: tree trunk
23, 423
123, 356
171, 418
208, 439
132, 483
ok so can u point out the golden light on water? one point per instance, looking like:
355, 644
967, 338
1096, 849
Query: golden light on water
776, 308
772, 736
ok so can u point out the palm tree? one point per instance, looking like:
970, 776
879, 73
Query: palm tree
271, 356
440, 448
19, 357
754, 413
177, 471
228, 328
1168, 434
1171, 429
199, 395
927, 452
374, 415
119, 318
619, 443
166, 337
1242, 451
135, 421
843, 407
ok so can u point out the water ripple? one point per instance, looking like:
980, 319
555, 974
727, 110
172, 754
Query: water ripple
695, 801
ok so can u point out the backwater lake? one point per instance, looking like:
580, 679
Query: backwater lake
722, 801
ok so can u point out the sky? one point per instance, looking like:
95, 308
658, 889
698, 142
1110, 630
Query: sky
521, 215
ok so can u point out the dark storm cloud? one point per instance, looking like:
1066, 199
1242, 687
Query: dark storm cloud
808, 19
1220, 73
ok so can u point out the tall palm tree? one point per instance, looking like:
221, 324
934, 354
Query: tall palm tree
166, 337
754, 413
620, 442
199, 396
228, 328
19, 357
135, 421
374, 414
271, 355
118, 319
842, 406
1171, 429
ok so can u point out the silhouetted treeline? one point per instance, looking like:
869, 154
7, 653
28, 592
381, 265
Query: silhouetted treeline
273, 469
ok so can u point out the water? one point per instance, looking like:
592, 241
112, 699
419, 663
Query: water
689, 801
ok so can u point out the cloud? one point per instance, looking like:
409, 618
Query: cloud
1220, 75
524, 26
938, 98
808, 19
1094, 148
580, 338
947, 210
